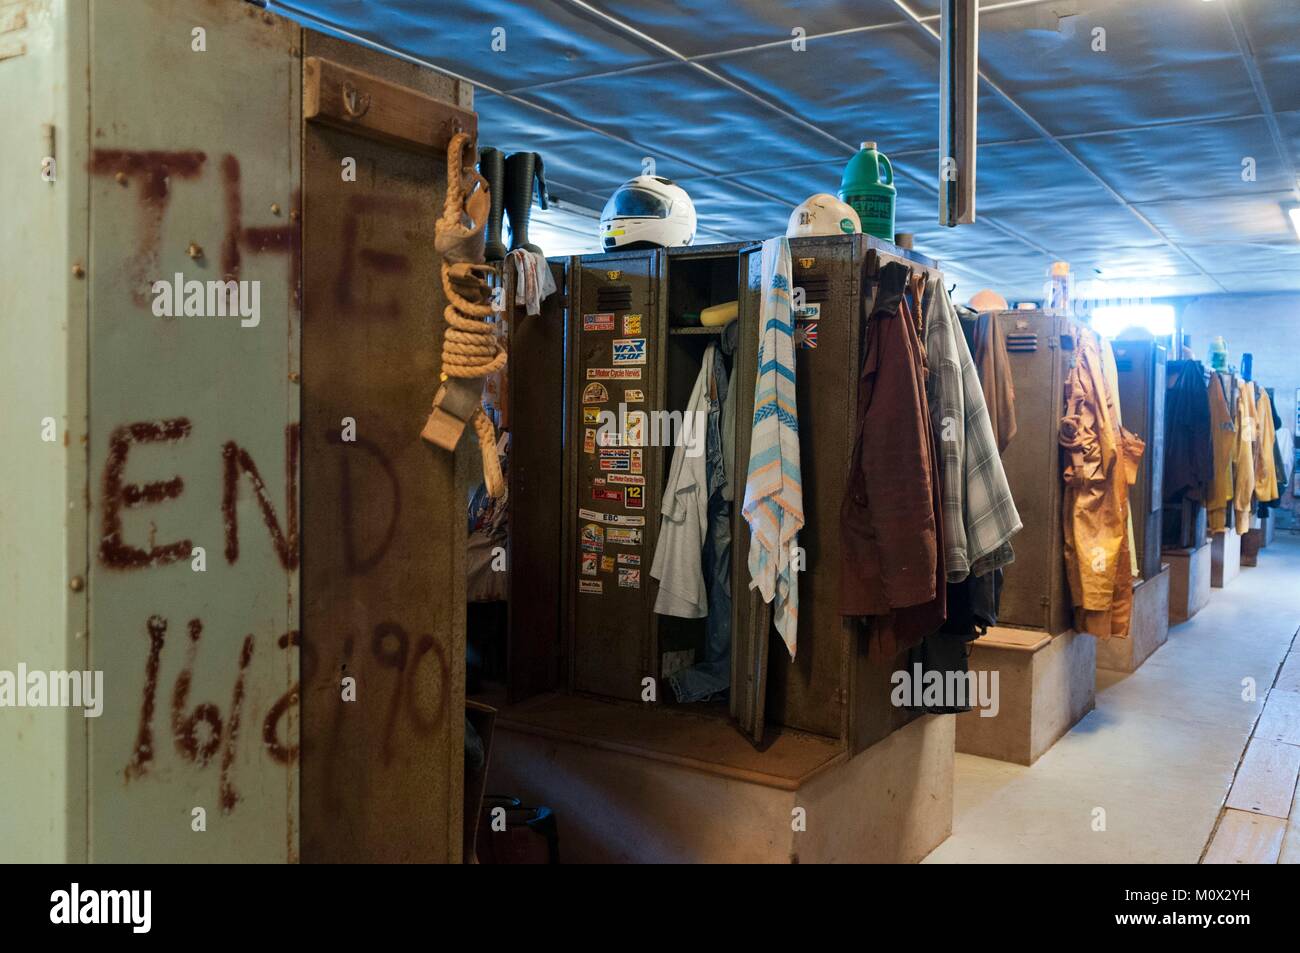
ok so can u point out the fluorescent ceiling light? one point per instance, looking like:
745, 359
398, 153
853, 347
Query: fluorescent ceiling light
1110, 320
1294, 212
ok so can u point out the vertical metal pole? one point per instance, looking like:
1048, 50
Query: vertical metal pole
958, 98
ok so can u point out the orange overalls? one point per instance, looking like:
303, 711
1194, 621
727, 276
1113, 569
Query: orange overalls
1101, 465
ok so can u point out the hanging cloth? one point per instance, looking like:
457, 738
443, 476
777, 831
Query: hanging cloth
1101, 464
1224, 438
1265, 442
773, 505
1244, 456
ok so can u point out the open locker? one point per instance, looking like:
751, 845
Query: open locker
632, 345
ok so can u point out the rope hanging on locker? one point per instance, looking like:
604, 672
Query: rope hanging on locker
470, 347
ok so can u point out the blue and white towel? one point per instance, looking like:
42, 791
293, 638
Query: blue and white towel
773, 487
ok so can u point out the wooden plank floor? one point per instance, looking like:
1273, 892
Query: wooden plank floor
1260, 823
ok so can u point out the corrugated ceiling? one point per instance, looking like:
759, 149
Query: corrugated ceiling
1126, 162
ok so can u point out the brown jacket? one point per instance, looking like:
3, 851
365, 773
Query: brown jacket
890, 518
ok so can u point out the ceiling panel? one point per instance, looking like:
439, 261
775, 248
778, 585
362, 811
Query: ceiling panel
587, 160
1258, 217
676, 111
695, 27
544, 39
1187, 162
1275, 38
1163, 59
885, 88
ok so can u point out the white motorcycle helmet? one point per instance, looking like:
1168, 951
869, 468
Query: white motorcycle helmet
647, 210
823, 214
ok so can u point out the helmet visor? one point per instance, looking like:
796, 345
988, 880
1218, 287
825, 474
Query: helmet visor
637, 203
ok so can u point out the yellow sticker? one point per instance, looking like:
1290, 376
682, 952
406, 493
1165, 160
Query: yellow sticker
631, 324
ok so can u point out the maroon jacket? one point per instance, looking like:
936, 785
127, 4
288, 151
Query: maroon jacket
890, 518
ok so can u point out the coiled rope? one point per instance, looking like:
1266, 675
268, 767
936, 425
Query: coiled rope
470, 347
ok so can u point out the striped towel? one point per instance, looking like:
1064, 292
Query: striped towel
773, 488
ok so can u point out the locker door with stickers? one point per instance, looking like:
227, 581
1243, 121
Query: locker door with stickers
612, 507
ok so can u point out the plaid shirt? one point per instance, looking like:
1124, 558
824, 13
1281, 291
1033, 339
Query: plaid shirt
979, 516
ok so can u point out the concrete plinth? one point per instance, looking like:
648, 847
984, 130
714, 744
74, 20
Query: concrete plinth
1148, 627
694, 795
1046, 684
1225, 558
1189, 581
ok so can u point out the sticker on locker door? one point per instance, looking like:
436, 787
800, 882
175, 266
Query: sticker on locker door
629, 350
634, 497
598, 322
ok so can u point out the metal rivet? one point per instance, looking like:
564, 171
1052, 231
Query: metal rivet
194, 250
78, 271
120, 178
76, 584
275, 208
293, 215
293, 376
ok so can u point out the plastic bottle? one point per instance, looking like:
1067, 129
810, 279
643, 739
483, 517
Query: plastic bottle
868, 186
1059, 287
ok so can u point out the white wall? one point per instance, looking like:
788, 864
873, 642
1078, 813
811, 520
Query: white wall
1267, 326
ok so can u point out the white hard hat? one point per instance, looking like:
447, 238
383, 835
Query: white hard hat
823, 214
647, 210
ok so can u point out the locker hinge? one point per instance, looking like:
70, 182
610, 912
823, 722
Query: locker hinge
843, 695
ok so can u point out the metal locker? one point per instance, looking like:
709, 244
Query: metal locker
1141, 367
615, 361
536, 422
1040, 348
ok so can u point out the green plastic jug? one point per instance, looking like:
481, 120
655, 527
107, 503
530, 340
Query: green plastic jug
868, 186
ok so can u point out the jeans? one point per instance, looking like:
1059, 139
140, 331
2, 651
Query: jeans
712, 673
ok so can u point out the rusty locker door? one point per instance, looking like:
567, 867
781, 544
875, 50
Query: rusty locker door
193, 431
537, 452
751, 617
615, 356
384, 513
1141, 371
810, 691
1040, 348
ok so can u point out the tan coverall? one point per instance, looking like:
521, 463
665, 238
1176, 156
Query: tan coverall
1101, 464
1265, 438
1223, 433
1244, 457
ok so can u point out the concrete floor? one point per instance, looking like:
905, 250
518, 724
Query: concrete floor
1152, 765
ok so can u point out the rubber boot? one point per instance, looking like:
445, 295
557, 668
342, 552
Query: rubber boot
522, 170
492, 166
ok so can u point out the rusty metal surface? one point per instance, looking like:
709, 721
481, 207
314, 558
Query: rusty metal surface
43, 514
193, 435
384, 525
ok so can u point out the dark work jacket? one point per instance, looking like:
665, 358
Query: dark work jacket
1189, 447
890, 517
